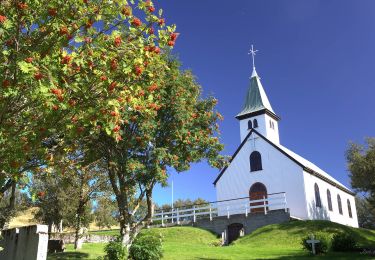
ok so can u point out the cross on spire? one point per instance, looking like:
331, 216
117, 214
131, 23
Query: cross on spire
252, 52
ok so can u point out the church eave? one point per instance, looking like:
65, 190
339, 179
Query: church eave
257, 113
307, 169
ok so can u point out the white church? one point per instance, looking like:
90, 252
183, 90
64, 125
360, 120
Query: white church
261, 166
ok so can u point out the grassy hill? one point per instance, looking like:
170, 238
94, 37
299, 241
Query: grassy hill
279, 241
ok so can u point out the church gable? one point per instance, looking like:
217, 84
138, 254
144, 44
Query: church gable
254, 160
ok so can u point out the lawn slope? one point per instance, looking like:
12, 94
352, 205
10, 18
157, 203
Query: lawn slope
278, 241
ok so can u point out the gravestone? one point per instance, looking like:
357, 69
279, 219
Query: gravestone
25, 243
313, 241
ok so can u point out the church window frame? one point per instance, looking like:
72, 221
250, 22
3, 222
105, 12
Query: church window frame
249, 124
339, 204
349, 208
255, 123
255, 161
318, 201
329, 200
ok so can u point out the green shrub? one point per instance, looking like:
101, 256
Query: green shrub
146, 247
344, 242
324, 245
115, 250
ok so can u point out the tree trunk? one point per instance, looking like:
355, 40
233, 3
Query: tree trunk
79, 213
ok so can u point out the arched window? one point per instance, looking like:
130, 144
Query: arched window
339, 203
249, 124
255, 123
255, 161
329, 200
349, 209
318, 202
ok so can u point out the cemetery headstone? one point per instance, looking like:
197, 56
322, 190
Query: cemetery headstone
25, 243
313, 242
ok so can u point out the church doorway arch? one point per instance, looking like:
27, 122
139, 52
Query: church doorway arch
258, 191
234, 231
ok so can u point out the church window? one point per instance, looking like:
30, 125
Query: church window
255, 123
318, 202
249, 124
329, 200
349, 210
339, 203
255, 161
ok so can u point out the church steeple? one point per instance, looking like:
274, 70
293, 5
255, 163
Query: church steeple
256, 98
257, 111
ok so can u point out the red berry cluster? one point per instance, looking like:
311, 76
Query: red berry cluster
66, 59
117, 41
2, 18
52, 11
136, 22
38, 76
6, 83
172, 39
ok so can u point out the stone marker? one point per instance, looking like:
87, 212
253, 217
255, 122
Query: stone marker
312, 241
25, 243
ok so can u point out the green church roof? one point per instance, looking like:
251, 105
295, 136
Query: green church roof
256, 98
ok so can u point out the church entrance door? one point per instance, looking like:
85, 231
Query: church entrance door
257, 192
234, 231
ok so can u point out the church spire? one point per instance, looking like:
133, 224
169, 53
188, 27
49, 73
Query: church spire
256, 98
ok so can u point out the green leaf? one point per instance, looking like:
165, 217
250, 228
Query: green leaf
25, 67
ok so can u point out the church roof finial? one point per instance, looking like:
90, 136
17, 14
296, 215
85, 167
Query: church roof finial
252, 52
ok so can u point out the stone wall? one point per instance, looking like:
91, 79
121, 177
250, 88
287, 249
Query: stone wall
68, 238
25, 243
253, 221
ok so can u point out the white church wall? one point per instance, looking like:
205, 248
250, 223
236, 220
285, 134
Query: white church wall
244, 130
263, 128
279, 174
272, 130
323, 212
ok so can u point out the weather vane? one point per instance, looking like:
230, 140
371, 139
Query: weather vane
253, 53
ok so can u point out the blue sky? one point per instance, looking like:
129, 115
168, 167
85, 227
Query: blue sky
316, 61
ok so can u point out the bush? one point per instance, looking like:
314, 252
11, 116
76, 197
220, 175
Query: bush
115, 250
344, 242
146, 247
323, 246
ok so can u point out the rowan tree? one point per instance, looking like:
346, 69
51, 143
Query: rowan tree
178, 128
67, 67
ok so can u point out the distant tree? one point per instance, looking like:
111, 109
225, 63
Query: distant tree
365, 213
361, 164
12, 203
105, 212
81, 180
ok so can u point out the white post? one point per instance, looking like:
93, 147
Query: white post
228, 211
178, 217
194, 217
172, 216
285, 206
265, 207
246, 212
162, 218
210, 213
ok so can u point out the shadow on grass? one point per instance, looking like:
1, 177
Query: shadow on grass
332, 255
68, 255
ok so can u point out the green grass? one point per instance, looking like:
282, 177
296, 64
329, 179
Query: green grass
279, 241
88, 251
111, 232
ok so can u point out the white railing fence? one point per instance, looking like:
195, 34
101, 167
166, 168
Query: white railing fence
273, 201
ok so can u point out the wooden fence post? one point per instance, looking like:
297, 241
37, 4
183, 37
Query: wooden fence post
265, 207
